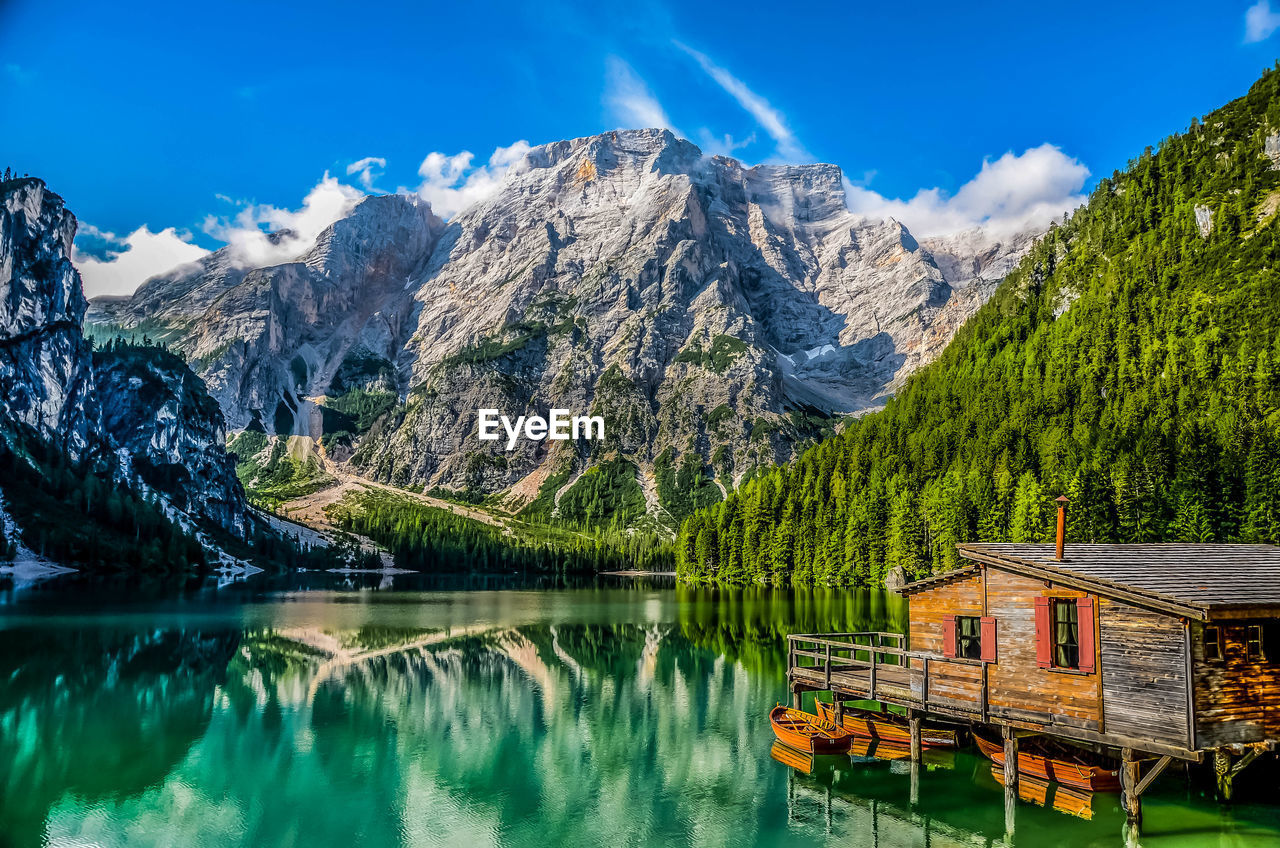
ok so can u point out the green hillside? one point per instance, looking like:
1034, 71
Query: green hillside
1131, 362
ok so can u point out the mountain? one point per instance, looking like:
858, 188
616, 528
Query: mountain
1130, 362
126, 435
716, 315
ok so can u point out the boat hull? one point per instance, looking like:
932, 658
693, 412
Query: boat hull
878, 726
1092, 778
807, 732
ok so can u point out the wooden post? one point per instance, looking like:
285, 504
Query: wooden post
1010, 782
871, 694
1222, 771
1130, 797
984, 694
1010, 760
915, 782
913, 719
795, 698
924, 685
828, 666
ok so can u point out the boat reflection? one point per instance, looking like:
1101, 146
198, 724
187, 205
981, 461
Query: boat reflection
1056, 796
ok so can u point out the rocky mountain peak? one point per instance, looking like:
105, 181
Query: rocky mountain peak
153, 429
37, 279
394, 232
706, 308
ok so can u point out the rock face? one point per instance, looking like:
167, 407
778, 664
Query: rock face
702, 307
138, 411
170, 432
44, 361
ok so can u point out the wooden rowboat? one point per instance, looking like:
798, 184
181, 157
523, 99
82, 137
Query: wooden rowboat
1057, 765
806, 732
888, 727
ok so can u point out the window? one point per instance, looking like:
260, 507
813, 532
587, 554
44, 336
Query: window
969, 637
1213, 643
1066, 633
1253, 643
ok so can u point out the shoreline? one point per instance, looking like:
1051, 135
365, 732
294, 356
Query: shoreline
637, 573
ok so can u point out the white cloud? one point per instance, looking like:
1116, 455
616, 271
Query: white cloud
144, 254
773, 122
724, 145
450, 183
630, 101
1013, 193
369, 168
1260, 22
247, 231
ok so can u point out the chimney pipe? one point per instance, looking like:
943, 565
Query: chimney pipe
1062, 525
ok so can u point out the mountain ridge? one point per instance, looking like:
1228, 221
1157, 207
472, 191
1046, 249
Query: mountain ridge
626, 273
1129, 362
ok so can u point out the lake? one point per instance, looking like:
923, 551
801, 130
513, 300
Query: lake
313, 711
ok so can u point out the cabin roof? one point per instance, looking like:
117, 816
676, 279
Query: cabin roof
1196, 581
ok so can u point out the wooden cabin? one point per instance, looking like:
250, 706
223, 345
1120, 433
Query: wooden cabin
1168, 648
1157, 651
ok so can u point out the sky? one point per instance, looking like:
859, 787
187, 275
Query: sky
172, 129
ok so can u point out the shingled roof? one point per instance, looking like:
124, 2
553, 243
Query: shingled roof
1196, 581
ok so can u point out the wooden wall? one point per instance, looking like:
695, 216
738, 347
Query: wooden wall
957, 597
947, 681
1020, 689
1144, 674
1236, 700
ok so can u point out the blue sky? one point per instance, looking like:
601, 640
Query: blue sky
210, 118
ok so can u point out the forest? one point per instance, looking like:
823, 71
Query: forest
1131, 362
426, 538
76, 514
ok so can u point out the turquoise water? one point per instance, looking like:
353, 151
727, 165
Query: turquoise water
609, 714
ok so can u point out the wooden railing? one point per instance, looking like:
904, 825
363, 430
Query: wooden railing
872, 661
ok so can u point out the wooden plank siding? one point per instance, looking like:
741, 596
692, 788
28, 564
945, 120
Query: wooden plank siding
1144, 674
1020, 689
1236, 700
948, 683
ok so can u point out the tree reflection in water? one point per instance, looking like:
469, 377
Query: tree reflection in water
650, 730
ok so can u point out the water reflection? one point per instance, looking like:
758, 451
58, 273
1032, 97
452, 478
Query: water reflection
593, 716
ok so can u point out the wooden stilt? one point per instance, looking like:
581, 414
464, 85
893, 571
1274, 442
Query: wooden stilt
914, 721
1010, 782
1222, 772
1131, 796
1010, 759
1225, 770
916, 765
795, 698
1010, 813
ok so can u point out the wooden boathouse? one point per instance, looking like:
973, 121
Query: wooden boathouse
1151, 653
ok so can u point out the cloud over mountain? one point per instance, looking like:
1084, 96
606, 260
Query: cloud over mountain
1011, 194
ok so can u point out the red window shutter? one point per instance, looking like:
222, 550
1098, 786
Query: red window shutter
1044, 635
1088, 646
948, 635
989, 638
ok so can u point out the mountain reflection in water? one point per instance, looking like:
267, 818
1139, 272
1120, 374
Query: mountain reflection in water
592, 716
